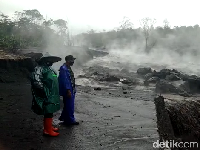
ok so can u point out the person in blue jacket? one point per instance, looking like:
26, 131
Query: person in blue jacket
67, 91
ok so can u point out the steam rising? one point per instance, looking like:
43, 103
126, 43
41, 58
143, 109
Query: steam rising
178, 49
158, 59
129, 48
164, 55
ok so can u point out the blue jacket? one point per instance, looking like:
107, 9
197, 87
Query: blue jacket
65, 81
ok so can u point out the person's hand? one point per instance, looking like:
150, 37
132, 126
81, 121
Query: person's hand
69, 94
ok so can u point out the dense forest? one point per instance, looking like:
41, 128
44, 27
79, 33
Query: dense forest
30, 28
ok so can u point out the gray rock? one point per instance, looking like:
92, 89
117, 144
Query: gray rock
124, 71
167, 72
125, 92
148, 76
173, 77
144, 71
163, 86
192, 85
146, 83
153, 80
110, 78
97, 88
129, 81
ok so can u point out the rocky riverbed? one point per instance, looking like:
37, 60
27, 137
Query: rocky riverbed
164, 81
114, 105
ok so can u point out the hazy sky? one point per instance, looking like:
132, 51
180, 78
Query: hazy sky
106, 14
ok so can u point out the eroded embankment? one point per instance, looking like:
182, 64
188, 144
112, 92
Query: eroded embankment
14, 68
178, 119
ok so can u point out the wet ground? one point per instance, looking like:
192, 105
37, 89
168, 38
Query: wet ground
109, 119
114, 116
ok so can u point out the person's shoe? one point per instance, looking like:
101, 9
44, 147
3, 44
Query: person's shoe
48, 128
73, 123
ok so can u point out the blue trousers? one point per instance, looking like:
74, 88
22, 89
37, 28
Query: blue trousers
67, 114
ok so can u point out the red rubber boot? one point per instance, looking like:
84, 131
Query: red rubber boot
48, 128
53, 128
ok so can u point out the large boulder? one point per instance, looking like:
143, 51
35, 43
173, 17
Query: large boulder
110, 78
184, 77
192, 85
100, 71
173, 77
161, 74
153, 80
129, 81
148, 76
169, 70
168, 74
166, 87
186, 87
144, 71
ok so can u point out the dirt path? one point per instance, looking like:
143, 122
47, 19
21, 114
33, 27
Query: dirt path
106, 122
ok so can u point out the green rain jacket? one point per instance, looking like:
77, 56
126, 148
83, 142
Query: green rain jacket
45, 90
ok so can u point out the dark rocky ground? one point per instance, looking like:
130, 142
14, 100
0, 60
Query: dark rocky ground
117, 113
110, 118
180, 91
165, 80
107, 122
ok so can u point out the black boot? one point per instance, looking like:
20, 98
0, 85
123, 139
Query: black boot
74, 123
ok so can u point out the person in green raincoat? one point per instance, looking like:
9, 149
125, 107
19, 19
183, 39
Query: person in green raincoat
45, 92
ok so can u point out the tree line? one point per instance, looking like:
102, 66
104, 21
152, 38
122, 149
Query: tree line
30, 28
182, 39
